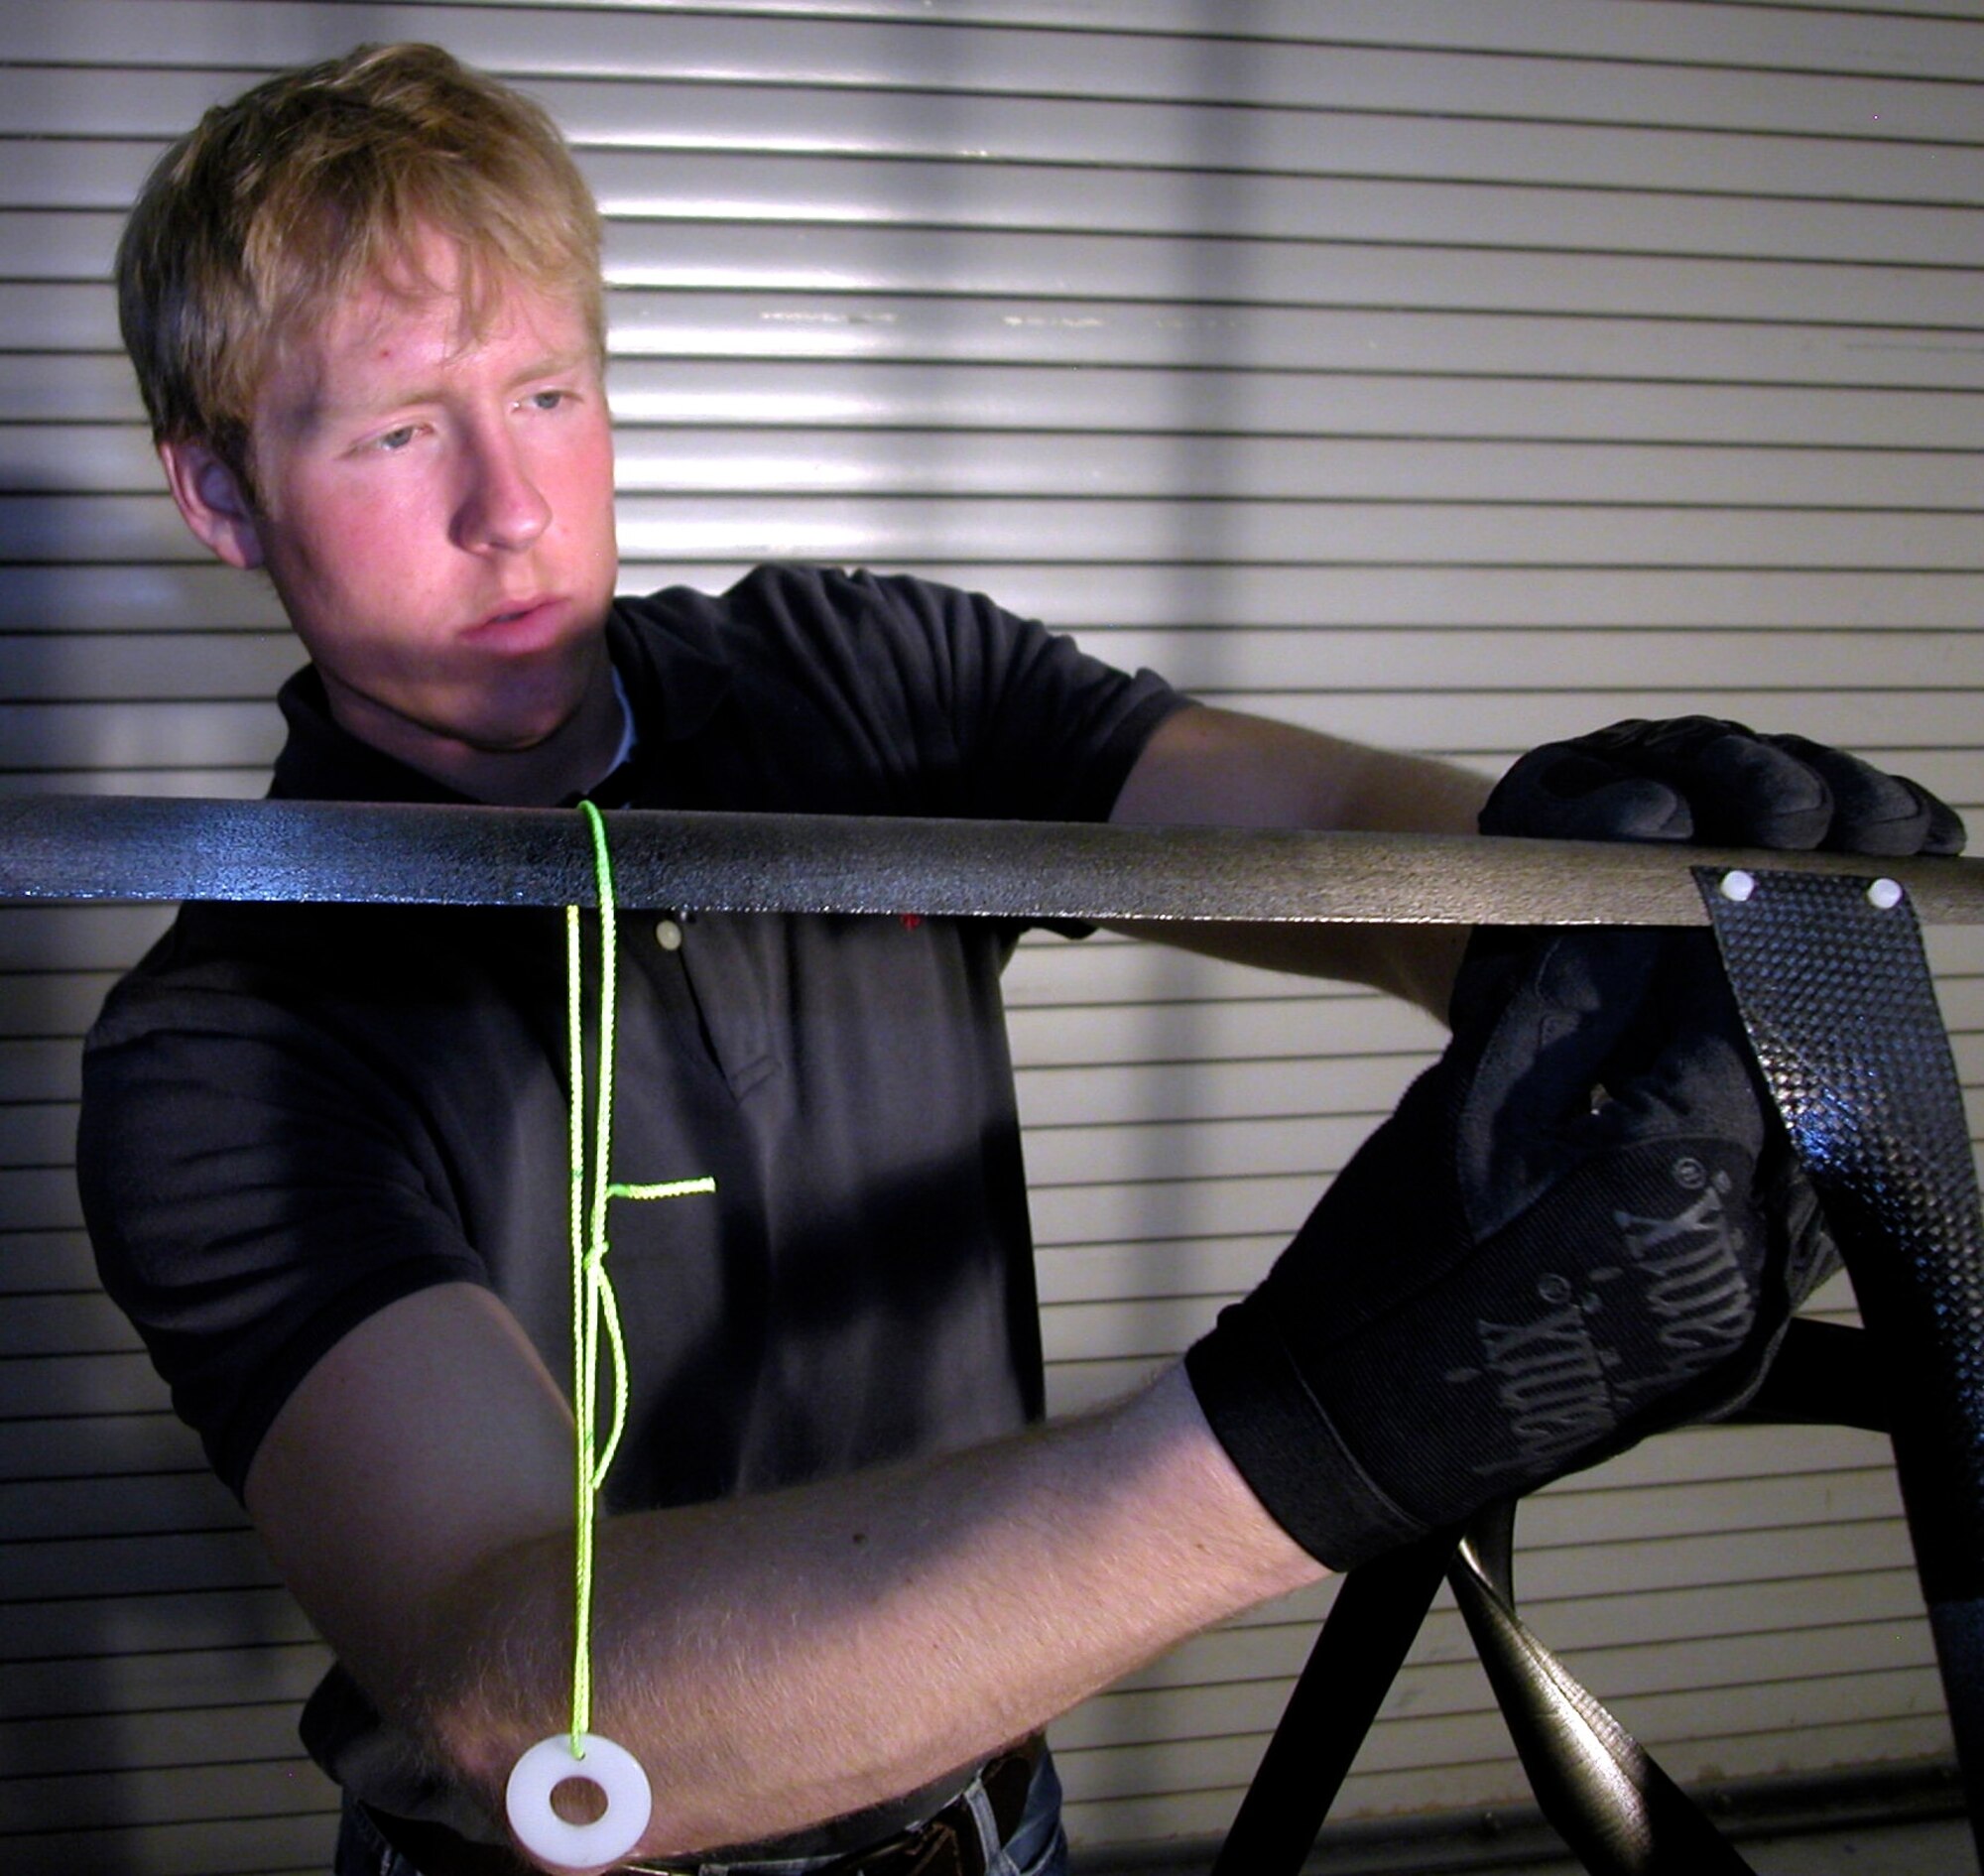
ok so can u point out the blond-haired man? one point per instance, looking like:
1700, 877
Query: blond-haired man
847, 1576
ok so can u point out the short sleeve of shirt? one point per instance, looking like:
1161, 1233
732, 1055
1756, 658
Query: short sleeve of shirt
254, 1187
866, 694
1039, 729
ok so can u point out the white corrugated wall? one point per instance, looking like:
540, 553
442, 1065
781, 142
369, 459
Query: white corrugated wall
1448, 376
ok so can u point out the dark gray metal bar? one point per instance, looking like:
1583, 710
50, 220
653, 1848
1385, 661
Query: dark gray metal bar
111, 847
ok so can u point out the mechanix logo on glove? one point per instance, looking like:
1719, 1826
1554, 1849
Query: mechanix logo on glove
1698, 1289
1559, 1384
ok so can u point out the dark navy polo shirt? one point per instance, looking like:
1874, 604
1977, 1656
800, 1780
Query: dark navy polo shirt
295, 1115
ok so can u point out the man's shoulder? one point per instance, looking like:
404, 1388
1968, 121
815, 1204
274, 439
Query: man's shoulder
852, 628
864, 692
786, 631
783, 594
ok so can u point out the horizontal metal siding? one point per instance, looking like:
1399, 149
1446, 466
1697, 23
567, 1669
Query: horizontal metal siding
1452, 377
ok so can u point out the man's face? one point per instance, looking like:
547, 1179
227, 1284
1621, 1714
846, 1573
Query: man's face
435, 510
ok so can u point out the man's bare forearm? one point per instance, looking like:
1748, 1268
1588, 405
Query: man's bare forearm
1209, 767
776, 1661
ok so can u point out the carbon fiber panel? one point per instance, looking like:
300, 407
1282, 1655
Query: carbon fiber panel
1842, 1012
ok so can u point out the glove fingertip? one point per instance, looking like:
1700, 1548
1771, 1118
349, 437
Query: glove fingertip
1873, 812
1946, 834
1623, 807
1773, 794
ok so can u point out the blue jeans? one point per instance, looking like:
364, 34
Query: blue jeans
1036, 1847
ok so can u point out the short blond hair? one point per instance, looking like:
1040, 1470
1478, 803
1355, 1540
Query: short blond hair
318, 182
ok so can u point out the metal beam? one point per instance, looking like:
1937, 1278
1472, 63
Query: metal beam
109, 847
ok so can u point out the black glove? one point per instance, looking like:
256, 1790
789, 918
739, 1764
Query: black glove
1512, 1277
1698, 778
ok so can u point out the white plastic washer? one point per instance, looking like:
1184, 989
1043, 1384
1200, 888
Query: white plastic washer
1737, 884
610, 1836
1884, 895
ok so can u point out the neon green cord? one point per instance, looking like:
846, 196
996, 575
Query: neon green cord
593, 1308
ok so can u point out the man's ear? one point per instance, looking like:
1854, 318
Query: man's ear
212, 501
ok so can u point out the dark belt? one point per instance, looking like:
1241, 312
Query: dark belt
947, 1843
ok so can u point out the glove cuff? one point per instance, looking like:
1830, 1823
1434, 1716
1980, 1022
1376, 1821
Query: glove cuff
1286, 1446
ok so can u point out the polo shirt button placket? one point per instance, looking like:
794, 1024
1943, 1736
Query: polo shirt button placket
668, 934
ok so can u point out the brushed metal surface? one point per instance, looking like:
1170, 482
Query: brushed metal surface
127, 849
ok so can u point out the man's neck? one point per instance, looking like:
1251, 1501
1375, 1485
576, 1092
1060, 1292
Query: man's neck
581, 752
